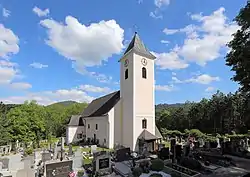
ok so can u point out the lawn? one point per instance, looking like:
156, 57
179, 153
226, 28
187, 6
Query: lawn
166, 143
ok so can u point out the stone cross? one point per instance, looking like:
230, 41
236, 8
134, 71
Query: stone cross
55, 151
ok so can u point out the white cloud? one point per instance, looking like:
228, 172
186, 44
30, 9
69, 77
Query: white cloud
20, 85
204, 43
38, 65
9, 73
201, 79
49, 97
167, 88
8, 42
85, 46
155, 14
174, 74
170, 31
165, 42
160, 3
210, 89
40, 12
100, 77
91, 88
6, 13
169, 61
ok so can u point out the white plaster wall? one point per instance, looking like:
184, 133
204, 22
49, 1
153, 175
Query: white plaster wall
117, 123
127, 101
72, 131
144, 96
103, 129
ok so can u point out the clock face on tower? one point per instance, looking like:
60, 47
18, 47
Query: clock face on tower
144, 61
126, 63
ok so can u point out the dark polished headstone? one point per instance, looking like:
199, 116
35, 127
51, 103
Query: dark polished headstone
164, 153
123, 154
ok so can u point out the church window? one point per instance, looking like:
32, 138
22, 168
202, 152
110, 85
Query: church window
104, 140
144, 123
88, 126
126, 74
144, 73
96, 126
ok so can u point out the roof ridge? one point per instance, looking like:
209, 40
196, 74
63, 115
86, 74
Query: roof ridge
138, 45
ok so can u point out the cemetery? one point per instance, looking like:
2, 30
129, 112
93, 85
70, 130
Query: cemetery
185, 156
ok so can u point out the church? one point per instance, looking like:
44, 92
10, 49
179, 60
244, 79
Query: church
125, 117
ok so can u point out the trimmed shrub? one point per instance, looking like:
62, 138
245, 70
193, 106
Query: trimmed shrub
137, 172
155, 175
157, 165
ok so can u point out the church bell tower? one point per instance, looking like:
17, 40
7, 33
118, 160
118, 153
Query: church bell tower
137, 93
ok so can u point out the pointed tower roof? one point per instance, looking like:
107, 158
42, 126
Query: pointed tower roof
138, 46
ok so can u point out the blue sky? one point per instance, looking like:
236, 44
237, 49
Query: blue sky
69, 50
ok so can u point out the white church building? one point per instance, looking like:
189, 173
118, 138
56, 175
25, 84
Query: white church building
125, 117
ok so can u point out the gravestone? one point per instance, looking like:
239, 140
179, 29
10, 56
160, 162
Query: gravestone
93, 149
70, 150
77, 159
58, 169
5, 163
201, 141
123, 154
164, 153
26, 171
61, 154
46, 156
218, 143
1, 166
102, 162
55, 151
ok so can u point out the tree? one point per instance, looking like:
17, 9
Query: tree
238, 57
26, 122
4, 129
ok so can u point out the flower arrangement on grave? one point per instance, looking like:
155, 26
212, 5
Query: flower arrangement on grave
157, 165
80, 173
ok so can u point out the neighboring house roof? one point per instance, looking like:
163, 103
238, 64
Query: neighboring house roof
146, 135
74, 120
138, 46
101, 106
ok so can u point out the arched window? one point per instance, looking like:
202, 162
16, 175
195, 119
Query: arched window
144, 123
144, 73
126, 74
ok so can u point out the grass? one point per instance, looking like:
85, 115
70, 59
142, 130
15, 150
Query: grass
166, 143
